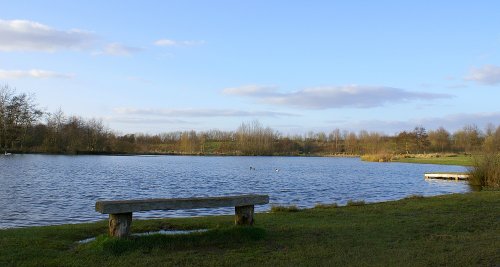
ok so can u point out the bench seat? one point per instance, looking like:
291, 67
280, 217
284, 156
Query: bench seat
120, 211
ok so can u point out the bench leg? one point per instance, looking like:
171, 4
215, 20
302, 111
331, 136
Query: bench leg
244, 215
119, 224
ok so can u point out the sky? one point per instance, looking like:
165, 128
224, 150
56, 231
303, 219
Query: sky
296, 66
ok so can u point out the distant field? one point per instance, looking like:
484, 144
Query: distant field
455, 160
451, 230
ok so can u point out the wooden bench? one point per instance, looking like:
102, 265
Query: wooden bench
120, 211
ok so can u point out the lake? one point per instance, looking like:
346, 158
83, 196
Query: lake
52, 189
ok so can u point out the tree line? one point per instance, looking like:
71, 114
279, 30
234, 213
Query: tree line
26, 128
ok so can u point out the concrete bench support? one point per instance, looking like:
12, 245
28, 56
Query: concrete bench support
119, 224
244, 215
120, 211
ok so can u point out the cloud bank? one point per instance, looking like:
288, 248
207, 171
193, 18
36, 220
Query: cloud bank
34, 73
351, 96
487, 75
252, 90
198, 112
135, 121
24, 35
451, 122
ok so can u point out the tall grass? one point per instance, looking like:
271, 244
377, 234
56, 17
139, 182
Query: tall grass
381, 157
485, 170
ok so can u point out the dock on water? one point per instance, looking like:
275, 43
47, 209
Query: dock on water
446, 176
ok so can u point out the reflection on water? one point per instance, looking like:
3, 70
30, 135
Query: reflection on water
47, 189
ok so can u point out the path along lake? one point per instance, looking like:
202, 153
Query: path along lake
48, 189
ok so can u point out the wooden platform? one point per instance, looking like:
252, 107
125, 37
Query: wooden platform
447, 176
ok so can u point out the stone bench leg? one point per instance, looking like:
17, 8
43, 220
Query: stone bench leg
119, 224
244, 215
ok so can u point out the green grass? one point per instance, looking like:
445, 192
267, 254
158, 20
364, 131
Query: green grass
455, 160
326, 206
355, 203
452, 230
292, 208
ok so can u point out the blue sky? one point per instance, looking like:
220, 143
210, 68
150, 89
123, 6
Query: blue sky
297, 66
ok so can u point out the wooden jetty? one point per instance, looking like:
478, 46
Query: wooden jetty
446, 176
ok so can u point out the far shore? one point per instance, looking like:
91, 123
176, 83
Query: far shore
441, 159
182, 154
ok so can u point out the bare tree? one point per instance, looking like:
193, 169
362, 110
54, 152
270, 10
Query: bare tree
491, 142
468, 139
439, 140
254, 139
5, 97
335, 139
421, 139
18, 112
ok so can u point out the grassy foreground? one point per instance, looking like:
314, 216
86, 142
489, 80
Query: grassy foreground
454, 230
462, 160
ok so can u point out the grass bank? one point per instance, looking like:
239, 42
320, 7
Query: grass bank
454, 230
463, 160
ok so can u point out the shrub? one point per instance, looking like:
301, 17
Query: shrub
485, 170
377, 157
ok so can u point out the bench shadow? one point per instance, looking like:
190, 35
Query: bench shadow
219, 238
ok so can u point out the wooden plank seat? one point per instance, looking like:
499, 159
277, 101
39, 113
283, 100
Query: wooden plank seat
120, 211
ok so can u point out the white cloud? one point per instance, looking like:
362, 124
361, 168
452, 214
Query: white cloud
165, 42
138, 120
198, 112
251, 90
116, 49
352, 96
169, 42
24, 35
488, 75
34, 73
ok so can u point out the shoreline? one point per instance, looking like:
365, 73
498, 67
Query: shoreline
270, 210
87, 153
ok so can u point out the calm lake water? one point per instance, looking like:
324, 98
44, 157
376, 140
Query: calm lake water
46, 189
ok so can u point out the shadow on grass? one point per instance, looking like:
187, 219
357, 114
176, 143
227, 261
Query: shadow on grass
215, 238
291, 208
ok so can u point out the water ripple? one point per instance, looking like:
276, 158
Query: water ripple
46, 189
